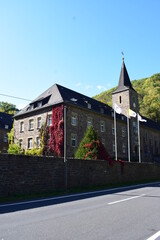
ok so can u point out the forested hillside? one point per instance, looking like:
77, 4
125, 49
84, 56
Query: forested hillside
148, 90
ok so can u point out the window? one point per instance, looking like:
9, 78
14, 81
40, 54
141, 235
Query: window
39, 104
89, 105
5, 138
39, 122
124, 148
89, 122
6, 126
31, 122
21, 126
120, 99
38, 141
103, 141
102, 126
113, 132
102, 110
20, 142
113, 147
50, 120
29, 143
74, 119
123, 132
73, 140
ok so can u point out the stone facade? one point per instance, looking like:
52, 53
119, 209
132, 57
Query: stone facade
103, 125
22, 130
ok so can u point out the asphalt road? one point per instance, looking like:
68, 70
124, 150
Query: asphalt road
119, 214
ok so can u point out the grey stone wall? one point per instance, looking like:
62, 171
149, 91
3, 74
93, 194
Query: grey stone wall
21, 174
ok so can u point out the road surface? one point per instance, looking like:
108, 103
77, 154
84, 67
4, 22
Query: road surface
117, 214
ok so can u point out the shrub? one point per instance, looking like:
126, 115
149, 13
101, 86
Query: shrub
34, 152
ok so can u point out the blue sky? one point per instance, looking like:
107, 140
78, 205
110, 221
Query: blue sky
75, 43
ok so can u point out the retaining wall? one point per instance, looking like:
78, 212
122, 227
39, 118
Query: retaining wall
21, 174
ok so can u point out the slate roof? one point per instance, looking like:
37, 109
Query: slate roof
150, 124
124, 80
58, 94
6, 119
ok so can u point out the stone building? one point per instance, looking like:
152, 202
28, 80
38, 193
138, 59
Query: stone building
6, 122
82, 111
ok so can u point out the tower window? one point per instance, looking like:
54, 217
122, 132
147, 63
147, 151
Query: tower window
120, 99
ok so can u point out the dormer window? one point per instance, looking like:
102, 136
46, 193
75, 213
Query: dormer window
102, 110
89, 105
31, 107
39, 104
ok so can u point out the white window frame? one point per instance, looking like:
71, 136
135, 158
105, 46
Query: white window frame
113, 148
74, 119
20, 142
89, 106
73, 140
49, 120
89, 121
123, 132
31, 124
38, 141
22, 126
102, 126
5, 138
30, 143
39, 122
123, 148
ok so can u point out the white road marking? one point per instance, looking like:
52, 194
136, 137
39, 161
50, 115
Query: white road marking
126, 199
155, 236
79, 194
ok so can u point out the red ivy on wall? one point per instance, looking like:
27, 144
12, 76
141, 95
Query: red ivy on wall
56, 132
96, 150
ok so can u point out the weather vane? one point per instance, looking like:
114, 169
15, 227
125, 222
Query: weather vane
122, 55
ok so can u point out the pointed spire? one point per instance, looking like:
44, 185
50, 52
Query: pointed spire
124, 80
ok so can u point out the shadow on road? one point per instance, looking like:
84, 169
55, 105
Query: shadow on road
43, 202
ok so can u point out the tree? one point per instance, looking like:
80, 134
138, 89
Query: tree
7, 107
89, 136
91, 147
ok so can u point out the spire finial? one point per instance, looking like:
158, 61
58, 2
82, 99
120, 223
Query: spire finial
122, 56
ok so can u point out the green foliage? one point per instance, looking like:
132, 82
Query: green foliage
7, 107
15, 149
148, 90
34, 151
11, 135
44, 135
89, 136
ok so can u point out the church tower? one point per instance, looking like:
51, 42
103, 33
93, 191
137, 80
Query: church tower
125, 96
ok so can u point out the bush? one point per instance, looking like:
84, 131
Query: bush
33, 152
15, 149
